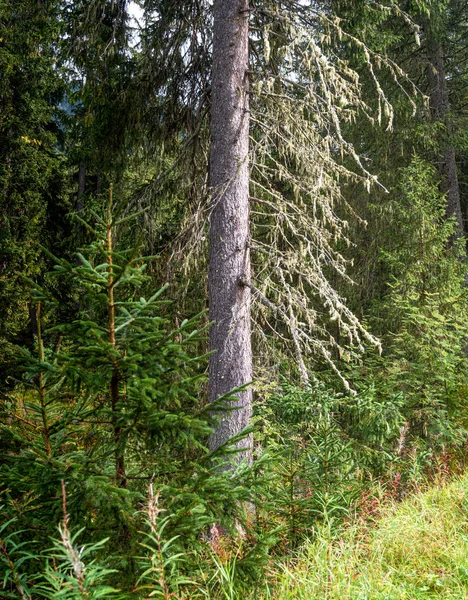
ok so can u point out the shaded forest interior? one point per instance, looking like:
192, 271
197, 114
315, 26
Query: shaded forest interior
233, 280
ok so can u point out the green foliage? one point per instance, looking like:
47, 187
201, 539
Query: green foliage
314, 476
97, 51
33, 173
161, 572
13, 553
426, 305
409, 405
422, 320
110, 401
107, 386
416, 550
70, 575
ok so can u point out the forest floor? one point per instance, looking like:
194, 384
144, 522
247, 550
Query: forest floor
415, 550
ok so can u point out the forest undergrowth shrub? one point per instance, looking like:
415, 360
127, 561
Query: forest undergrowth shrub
314, 477
329, 454
110, 401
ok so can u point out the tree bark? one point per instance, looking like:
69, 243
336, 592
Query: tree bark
439, 105
229, 257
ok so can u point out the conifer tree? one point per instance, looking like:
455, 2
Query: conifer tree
436, 30
301, 95
33, 172
110, 401
229, 262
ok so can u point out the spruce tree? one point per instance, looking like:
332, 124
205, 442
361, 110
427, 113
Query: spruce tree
33, 171
229, 261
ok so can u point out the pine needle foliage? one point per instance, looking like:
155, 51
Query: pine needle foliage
314, 475
426, 305
75, 576
33, 173
421, 319
111, 400
304, 94
161, 563
13, 553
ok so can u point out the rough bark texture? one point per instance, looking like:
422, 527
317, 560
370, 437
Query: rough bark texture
229, 297
439, 105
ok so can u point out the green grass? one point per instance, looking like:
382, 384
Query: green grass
417, 550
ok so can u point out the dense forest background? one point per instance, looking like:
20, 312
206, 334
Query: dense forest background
353, 384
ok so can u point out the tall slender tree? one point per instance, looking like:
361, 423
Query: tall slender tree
300, 97
229, 261
439, 105
300, 89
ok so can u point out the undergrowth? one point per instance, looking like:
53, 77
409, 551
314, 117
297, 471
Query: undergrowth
417, 550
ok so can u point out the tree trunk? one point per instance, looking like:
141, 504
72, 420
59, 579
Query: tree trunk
229, 257
438, 98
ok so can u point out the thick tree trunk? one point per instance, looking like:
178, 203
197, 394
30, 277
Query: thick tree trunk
439, 105
229, 268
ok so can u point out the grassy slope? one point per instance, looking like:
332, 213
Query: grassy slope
417, 550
